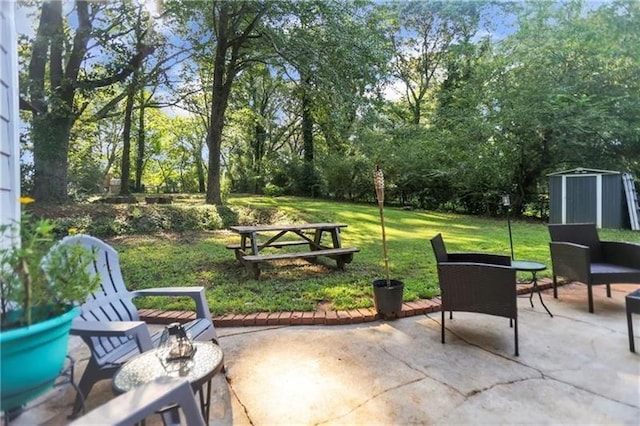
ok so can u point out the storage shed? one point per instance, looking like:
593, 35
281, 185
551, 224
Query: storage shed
590, 195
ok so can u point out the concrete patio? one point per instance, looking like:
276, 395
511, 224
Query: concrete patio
574, 368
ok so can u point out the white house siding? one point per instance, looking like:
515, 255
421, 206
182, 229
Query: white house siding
9, 145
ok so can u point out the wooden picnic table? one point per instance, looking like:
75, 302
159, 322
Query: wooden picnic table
254, 239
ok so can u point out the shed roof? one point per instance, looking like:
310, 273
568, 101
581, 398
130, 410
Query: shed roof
581, 170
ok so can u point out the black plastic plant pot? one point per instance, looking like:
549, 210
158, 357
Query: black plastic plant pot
388, 299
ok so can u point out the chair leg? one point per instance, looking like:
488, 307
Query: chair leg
590, 293
92, 374
450, 315
608, 290
555, 287
442, 326
515, 330
170, 415
632, 346
84, 387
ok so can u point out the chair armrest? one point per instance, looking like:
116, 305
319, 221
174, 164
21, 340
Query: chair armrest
621, 253
135, 329
196, 293
570, 260
143, 401
488, 258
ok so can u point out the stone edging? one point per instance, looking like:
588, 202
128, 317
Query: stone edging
355, 316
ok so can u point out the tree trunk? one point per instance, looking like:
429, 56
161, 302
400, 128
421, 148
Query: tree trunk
219, 99
200, 172
50, 155
51, 128
125, 168
258, 152
141, 143
307, 143
214, 141
416, 112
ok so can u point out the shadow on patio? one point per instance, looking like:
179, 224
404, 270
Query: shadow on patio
574, 368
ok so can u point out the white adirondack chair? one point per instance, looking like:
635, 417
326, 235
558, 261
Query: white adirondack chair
109, 322
136, 405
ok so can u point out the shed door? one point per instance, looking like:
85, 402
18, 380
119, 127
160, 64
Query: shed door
581, 199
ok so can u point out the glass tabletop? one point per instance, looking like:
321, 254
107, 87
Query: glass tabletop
206, 361
528, 265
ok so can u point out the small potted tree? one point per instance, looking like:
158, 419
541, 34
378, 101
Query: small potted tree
41, 284
387, 293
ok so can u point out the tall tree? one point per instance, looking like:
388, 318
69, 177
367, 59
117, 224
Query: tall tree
226, 31
195, 97
143, 100
334, 52
234, 24
260, 123
188, 138
148, 74
565, 95
58, 71
425, 31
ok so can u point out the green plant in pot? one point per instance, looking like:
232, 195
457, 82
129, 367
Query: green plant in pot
387, 293
41, 284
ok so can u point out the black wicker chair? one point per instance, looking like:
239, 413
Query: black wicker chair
476, 282
440, 250
577, 254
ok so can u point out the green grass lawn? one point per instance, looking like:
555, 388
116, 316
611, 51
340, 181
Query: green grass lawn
202, 259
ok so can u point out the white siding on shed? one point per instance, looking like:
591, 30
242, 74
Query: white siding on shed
9, 145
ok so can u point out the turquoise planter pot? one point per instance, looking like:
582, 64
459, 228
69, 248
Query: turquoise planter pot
31, 359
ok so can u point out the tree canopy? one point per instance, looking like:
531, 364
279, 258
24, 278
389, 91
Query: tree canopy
457, 101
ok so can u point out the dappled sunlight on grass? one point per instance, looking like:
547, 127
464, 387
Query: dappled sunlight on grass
418, 221
201, 258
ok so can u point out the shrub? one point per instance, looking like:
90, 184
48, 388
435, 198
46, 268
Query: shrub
113, 220
110, 220
273, 190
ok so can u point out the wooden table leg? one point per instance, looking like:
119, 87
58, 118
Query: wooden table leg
255, 269
239, 254
254, 243
317, 239
335, 236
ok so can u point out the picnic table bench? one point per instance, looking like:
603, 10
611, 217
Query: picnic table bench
250, 249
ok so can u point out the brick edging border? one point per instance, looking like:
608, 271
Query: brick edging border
354, 316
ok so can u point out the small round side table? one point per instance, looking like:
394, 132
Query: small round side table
199, 369
533, 267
